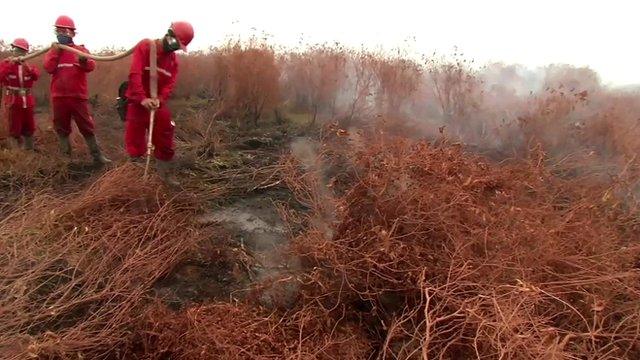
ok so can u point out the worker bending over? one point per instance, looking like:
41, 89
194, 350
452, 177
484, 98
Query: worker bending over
141, 102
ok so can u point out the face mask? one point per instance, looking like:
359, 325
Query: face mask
170, 43
64, 39
18, 52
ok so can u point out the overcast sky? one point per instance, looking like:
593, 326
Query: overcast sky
600, 34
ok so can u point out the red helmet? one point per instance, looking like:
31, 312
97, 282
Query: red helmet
183, 32
64, 21
21, 43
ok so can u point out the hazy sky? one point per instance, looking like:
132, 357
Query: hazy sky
600, 34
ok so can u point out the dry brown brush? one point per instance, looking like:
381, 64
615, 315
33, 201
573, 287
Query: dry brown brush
244, 331
445, 255
76, 270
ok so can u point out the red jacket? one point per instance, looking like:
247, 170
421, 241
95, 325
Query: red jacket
138, 88
69, 76
10, 80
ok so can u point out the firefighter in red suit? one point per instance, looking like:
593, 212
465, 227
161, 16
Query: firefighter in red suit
140, 102
17, 79
69, 94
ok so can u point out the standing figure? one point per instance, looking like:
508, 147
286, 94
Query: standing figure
69, 94
17, 78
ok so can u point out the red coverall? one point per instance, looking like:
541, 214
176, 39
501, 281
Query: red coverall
17, 80
137, 120
69, 94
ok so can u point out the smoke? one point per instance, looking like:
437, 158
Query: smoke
307, 152
503, 110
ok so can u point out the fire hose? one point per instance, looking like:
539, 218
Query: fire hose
75, 51
153, 90
153, 79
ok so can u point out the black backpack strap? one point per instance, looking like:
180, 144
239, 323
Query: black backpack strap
121, 101
122, 90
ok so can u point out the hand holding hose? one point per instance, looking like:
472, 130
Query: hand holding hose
151, 103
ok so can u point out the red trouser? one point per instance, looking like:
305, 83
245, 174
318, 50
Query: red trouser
21, 121
137, 123
65, 108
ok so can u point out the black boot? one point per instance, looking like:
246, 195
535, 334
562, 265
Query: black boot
96, 153
28, 143
65, 145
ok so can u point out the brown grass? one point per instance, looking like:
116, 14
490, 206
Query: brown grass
77, 269
455, 257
